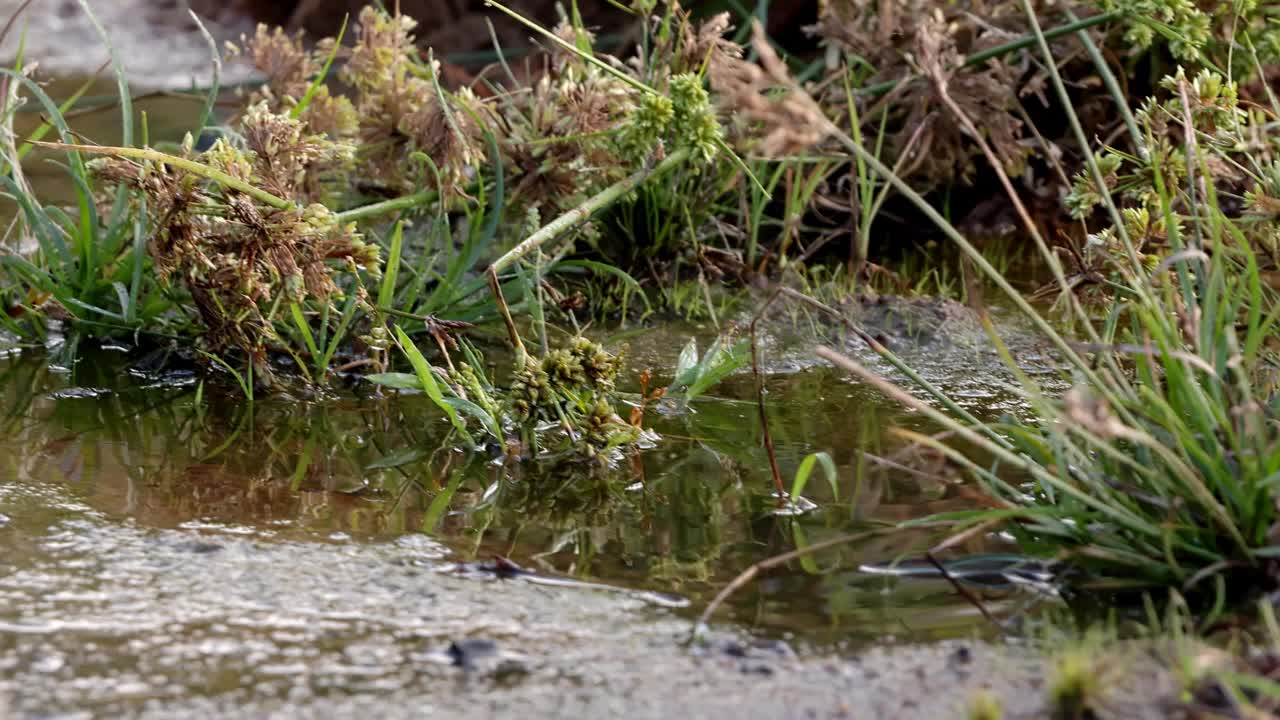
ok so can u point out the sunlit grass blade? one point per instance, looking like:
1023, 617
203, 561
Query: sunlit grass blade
319, 80
427, 381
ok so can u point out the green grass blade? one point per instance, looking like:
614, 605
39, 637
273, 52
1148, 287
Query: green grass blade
319, 80
427, 379
386, 293
215, 57
348, 314
806, 470
304, 329
122, 81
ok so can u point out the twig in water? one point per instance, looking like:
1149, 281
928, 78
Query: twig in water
764, 417
747, 575
959, 587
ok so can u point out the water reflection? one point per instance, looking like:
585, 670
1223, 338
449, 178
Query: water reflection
144, 441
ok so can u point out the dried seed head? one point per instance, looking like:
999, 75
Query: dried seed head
786, 124
384, 44
282, 58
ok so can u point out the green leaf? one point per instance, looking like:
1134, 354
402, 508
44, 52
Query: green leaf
324, 73
428, 381
806, 470
440, 503
466, 406
718, 364
400, 381
386, 294
348, 314
304, 329
807, 561
122, 82
686, 365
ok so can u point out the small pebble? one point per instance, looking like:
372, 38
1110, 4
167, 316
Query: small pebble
467, 651
198, 547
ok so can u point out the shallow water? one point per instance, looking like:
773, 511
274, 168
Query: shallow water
159, 543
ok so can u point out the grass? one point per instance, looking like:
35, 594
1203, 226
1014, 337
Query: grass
614, 192
1159, 469
692, 168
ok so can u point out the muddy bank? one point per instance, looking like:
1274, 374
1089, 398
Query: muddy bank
226, 621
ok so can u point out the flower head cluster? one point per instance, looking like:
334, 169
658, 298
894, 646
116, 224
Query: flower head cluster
237, 257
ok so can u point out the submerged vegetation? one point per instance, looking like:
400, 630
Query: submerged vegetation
357, 207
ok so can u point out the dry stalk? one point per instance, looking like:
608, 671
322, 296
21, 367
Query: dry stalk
764, 416
750, 573
933, 67
495, 286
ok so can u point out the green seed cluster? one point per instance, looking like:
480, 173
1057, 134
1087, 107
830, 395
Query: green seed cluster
584, 367
682, 118
605, 430
645, 128
465, 377
695, 123
530, 390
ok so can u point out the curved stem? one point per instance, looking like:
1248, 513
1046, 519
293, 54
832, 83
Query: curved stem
191, 166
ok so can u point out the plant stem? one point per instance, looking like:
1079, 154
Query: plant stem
1012, 458
749, 574
570, 47
190, 166
760, 408
553, 229
388, 206
1028, 40
1095, 173
495, 286
1113, 86
965, 246
599, 201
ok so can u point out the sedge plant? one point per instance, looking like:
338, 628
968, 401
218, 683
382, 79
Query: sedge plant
1160, 468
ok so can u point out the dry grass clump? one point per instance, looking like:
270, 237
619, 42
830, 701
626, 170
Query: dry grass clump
786, 123
902, 47
238, 258
396, 109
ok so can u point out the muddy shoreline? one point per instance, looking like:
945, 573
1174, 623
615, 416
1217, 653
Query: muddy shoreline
119, 621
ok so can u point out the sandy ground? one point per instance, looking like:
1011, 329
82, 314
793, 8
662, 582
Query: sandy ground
159, 45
